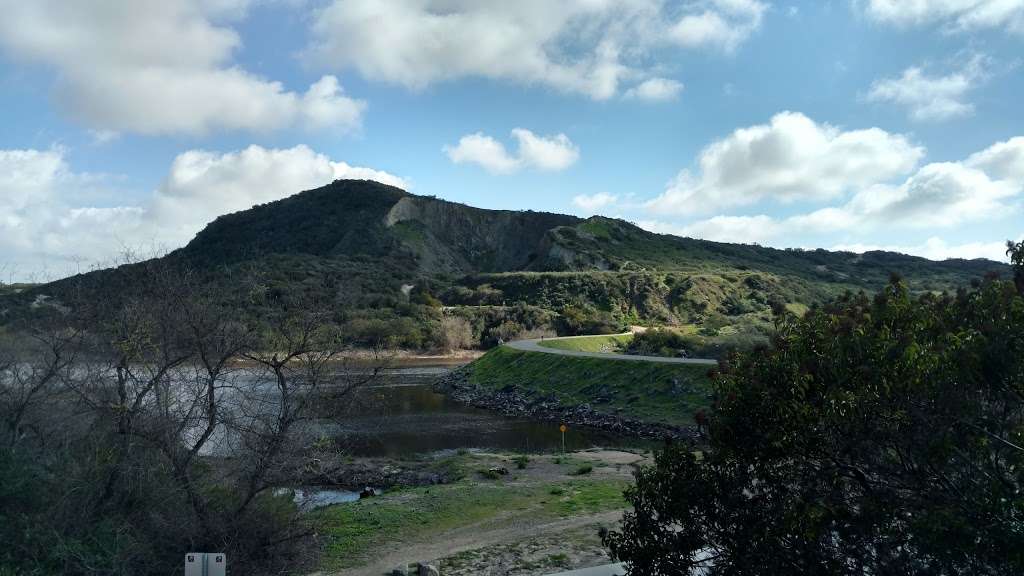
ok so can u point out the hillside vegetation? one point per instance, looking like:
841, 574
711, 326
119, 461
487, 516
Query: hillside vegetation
420, 272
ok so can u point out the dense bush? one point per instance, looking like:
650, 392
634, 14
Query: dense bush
577, 320
660, 342
876, 436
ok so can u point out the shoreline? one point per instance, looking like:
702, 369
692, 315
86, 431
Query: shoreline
511, 401
396, 359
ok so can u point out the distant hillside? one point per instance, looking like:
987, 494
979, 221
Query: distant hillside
353, 245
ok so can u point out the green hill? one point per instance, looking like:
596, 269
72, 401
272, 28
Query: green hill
393, 264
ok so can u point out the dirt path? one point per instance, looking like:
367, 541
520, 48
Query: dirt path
534, 346
505, 530
519, 539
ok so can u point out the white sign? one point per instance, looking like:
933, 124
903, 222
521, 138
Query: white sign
205, 564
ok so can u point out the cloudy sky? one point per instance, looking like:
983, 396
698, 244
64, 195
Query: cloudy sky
851, 124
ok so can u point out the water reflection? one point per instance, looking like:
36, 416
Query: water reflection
404, 416
313, 497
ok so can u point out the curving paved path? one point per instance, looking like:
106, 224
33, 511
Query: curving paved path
534, 346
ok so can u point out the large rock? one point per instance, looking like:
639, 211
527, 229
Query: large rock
428, 570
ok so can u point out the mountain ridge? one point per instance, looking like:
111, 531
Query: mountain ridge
373, 251
377, 208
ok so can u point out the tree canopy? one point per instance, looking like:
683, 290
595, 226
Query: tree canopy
878, 435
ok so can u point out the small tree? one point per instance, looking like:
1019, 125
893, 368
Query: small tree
877, 436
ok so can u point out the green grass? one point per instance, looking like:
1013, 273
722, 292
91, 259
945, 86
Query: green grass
650, 391
582, 470
585, 497
597, 227
353, 531
797, 308
602, 343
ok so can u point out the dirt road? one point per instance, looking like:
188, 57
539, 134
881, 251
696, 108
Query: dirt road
507, 530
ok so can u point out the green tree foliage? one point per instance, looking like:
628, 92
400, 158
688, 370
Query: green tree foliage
1015, 250
878, 435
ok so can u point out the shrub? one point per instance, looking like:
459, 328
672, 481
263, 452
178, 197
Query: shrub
659, 342
489, 474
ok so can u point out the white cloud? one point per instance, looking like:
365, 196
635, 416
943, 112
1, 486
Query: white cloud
324, 105
953, 15
483, 150
940, 194
937, 249
985, 187
551, 153
931, 97
36, 220
791, 158
737, 229
44, 226
100, 137
161, 67
547, 153
593, 203
655, 90
26, 177
202, 185
586, 47
1003, 160
722, 23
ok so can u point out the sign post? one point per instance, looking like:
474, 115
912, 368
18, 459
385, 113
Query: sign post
205, 564
563, 428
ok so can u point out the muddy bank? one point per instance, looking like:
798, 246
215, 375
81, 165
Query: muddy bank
513, 401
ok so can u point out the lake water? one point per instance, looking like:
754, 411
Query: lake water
402, 415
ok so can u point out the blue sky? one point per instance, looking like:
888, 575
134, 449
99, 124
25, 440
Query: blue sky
846, 124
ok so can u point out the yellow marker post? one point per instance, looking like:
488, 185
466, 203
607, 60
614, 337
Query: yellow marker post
563, 428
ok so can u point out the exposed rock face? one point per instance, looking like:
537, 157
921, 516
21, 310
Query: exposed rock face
452, 237
561, 252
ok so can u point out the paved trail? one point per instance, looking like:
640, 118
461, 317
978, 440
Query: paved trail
534, 346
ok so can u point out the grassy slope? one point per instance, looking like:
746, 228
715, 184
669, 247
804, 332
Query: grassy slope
602, 343
642, 390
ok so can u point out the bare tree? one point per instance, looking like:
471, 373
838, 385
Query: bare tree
172, 403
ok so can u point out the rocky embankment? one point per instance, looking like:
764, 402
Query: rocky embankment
512, 401
379, 473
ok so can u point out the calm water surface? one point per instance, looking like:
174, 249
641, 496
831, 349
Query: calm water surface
402, 415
